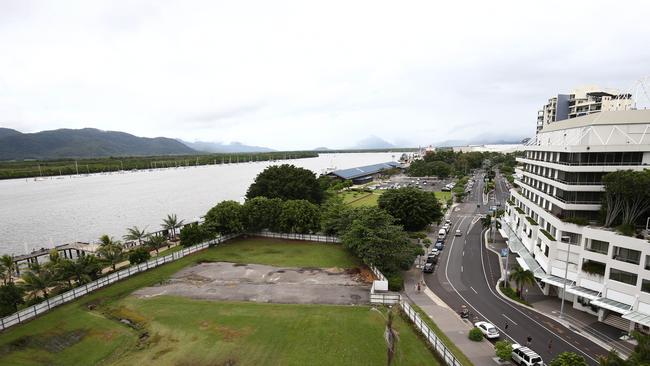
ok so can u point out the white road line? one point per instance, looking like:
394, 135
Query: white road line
463, 253
521, 312
510, 320
475, 291
461, 268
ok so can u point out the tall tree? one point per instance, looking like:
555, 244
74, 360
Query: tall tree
171, 223
83, 269
156, 242
225, 218
113, 254
7, 268
522, 277
135, 233
413, 208
627, 196
39, 278
299, 216
336, 217
10, 297
286, 182
261, 213
375, 238
106, 240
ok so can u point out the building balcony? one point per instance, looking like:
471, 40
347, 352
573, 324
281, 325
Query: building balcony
562, 203
567, 186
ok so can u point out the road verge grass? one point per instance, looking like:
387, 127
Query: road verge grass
460, 356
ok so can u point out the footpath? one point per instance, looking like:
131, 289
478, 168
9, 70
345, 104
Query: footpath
455, 328
577, 321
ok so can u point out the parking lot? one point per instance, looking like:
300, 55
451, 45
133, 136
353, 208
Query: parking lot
399, 181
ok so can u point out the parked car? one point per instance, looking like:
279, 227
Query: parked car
428, 267
440, 245
488, 330
448, 221
432, 258
458, 233
525, 356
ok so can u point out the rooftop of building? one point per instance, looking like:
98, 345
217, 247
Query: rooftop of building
640, 116
363, 171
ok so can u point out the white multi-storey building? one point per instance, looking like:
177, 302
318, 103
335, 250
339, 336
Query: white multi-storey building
581, 102
551, 218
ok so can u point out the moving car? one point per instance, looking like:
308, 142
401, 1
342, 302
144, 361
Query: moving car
488, 330
525, 356
458, 233
428, 268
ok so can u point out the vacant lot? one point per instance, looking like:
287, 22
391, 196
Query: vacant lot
112, 327
260, 283
443, 197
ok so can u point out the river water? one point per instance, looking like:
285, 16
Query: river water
42, 214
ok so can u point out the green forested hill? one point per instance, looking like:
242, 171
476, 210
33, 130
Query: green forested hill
83, 143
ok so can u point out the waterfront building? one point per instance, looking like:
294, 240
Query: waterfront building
581, 102
552, 217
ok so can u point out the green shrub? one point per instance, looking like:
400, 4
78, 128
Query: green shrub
395, 281
576, 220
511, 293
475, 335
139, 255
627, 230
503, 350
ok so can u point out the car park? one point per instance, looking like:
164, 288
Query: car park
488, 330
525, 356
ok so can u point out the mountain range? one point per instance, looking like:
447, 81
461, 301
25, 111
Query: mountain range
219, 147
83, 143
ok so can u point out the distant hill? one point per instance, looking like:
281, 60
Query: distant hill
218, 147
373, 142
83, 143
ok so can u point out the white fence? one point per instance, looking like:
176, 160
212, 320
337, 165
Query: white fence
431, 337
306, 237
42, 307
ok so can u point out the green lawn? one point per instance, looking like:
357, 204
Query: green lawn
359, 199
443, 197
182, 331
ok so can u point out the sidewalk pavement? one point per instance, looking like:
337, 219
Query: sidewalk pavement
455, 328
575, 320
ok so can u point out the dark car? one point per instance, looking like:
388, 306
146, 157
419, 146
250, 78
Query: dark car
432, 258
440, 245
428, 268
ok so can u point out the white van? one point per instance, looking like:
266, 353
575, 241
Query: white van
442, 233
525, 356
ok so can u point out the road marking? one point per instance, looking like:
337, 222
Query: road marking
510, 320
475, 291
461, 268
463, 253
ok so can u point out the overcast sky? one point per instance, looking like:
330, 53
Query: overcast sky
304, 74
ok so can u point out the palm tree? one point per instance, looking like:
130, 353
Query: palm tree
83, 270
156, 242
487, 222
39, 279
522, 278
171, 223
135, 233
105, 240
111, 253
8, 268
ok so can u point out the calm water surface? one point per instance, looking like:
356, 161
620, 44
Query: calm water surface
35, 214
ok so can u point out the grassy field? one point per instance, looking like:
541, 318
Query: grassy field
359, 199
443, 196
169, 330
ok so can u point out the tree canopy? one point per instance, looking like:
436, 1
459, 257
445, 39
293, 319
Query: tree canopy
627, 196
225, 218
375, 238
286, 182
568, 359
413, 208
299, 216
261, 213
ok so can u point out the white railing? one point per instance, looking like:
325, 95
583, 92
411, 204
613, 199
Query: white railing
431, 337
388, 298
44, 306
380, 276
306, 237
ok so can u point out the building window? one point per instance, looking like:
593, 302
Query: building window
597, 246
645, 286
626, 255
647, 262
622, 276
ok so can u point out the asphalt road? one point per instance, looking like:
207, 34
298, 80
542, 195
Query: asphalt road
467, 273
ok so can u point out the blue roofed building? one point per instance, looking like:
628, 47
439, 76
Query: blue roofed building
364, 174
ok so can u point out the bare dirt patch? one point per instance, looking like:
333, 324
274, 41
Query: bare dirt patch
260, 283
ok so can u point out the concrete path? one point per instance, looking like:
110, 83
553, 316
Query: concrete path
480, 353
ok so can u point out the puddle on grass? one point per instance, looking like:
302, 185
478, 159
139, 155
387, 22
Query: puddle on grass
54, 343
